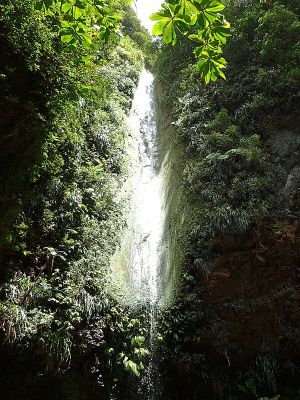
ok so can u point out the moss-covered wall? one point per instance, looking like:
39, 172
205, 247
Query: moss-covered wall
175, 202
229, 335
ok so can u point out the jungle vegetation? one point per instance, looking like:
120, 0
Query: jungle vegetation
62, 140
234, 174
68, 71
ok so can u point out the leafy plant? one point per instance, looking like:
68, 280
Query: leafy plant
203, 16
250, 387
56, 298
82, 22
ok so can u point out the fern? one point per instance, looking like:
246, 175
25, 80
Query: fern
58, 346
14, 322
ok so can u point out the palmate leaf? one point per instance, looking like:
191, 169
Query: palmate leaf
212, 31
210, 66
66, 38
221, 32
182, 22
168, 23
214, 7
158, 28
187, 7
195, 37
169, 33
158, 16
209, 6
208, 11
47, 6
198, 51
67, 34
132, 366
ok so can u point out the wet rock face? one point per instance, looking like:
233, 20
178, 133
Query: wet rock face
292, 190
285, 144
249, 315
252, 297
248, 318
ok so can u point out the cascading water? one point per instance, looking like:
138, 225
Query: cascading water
139, 258
147, 216
148, 221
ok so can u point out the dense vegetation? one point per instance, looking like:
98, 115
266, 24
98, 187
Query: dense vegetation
237, 178
67, 77
62, 139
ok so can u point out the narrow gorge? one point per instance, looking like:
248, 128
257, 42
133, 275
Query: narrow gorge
149, 200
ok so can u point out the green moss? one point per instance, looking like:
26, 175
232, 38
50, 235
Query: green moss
62, 166
225, 183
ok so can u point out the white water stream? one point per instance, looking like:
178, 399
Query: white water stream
139, 258
148, 215
147, 222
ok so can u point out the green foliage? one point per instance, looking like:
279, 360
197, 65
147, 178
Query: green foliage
180, 323
264, 379
232, 180
249, 387
204, 23
85, 23
82, 23
62, 138
132, 27
233, 185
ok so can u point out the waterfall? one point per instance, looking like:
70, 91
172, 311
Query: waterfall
147, 214
139, 258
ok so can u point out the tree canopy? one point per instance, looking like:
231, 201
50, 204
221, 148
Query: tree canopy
82, 23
